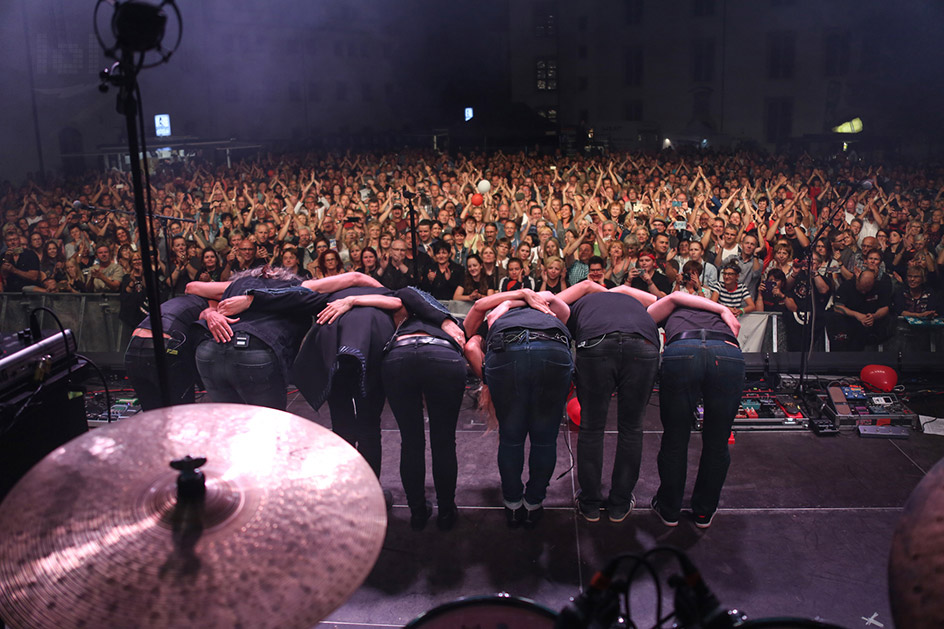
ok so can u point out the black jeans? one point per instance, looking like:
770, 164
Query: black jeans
626, 364
354, 418
528, 382
250, 375
691, 368
436, 373
141, 369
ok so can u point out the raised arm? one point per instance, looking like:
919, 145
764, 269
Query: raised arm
643, 297
580, 289
477, 314
340, 282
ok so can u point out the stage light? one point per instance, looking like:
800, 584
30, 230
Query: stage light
162, 125
852, 126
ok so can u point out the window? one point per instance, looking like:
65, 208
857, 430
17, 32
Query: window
701, 106
634, 66
836, 49
550, 113
544, 19
779, 119
632, 12
632, 111
703, 8
703, 60
781, 52
545, 74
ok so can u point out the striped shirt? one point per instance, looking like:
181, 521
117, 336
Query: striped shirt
731, 299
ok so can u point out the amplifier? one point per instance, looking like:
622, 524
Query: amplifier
24, 363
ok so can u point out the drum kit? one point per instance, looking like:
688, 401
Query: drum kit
208, 515
225, 515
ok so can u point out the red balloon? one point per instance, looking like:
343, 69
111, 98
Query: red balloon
573, 410
477, 199
879, 377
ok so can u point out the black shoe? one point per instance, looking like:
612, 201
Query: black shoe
419, 517
514, 517
446, 518
532, 517
658, 511
704, 521
590, 514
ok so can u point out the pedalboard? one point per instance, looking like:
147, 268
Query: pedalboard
852, 405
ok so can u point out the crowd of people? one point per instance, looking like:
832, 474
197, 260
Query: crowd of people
734, 227
292, 269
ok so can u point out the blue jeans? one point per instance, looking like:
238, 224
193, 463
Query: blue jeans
625, 364
714, 371
528, 382
251, 375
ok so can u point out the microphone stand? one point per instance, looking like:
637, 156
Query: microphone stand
806, 339
128, 106
414, 271
163, 218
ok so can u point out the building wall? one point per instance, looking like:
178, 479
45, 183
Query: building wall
763, 70
285, 71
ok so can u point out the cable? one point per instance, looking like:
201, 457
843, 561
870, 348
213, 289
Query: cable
104, 383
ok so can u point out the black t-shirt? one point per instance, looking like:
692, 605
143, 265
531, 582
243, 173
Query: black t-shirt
599, 313
27, 261
526, 318
178, 314
426, 314
660, 280
869, 303
689, 319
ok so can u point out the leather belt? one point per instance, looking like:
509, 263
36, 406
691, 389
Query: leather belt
704, 335
414, 341
520, 335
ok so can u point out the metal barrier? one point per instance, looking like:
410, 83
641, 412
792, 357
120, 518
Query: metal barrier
92, 317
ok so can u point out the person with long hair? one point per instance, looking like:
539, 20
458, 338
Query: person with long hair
370, 263
490, 266
553, 276
329, 264
475, 284
53, 262
525, 364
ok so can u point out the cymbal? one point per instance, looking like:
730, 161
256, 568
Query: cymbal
292, 522
915, 577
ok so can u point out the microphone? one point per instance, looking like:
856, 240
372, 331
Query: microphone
595, 607
78, 205
695, 603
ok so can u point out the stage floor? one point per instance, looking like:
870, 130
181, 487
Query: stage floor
804, 528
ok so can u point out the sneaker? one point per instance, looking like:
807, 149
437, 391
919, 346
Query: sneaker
419, 517
618, 514
655, 508
514, 517
704, 521
446, 518
533, 516
590, 514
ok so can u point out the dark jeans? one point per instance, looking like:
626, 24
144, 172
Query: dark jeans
626, 364
245, 376
437, 374
142, 372
713, 370
528, 383
354, 418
